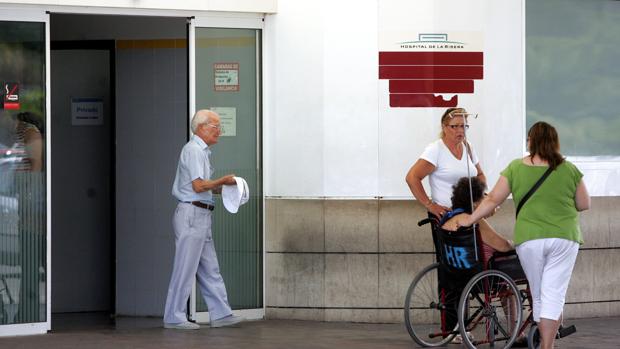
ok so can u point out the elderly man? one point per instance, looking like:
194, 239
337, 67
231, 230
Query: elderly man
195, 252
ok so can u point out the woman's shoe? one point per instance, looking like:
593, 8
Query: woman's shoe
520, 342
459, 340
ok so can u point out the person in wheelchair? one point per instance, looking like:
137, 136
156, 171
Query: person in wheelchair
491, 240
461, 203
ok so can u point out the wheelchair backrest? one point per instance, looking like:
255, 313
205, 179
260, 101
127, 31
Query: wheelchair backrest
459, 252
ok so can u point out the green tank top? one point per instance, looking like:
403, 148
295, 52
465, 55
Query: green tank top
550, 212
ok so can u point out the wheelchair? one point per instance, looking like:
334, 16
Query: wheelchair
469, 291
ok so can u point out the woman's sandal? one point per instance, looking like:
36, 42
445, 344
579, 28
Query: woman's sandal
520, 342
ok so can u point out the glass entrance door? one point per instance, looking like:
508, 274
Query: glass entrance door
225, 77
24, 168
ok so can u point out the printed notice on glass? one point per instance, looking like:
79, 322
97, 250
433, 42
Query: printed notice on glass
86, 111
11, 96
226, 77
228, 120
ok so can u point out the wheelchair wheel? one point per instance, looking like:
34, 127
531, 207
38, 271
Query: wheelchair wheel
424, 311
533, 337
490, 311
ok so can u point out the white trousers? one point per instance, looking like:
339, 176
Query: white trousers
548, 265
194, 256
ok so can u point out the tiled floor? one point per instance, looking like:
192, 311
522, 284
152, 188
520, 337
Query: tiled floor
98, 332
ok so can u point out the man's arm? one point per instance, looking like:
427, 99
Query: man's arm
201, 185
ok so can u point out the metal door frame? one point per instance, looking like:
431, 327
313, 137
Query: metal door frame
246, 22
40, 16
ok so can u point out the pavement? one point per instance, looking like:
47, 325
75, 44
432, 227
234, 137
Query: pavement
79, 331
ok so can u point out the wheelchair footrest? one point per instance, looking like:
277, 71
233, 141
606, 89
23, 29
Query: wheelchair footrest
566, 331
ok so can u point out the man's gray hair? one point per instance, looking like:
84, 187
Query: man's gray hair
203, 116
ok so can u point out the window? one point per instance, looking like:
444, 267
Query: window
573, 74
22, 173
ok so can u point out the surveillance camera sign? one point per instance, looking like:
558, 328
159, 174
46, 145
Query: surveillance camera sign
226, 77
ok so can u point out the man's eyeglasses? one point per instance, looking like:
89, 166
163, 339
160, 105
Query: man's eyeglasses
217, 127
454, 127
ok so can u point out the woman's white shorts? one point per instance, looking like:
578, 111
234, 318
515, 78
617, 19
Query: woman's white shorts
548, 265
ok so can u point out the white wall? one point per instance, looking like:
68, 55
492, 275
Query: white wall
350, 98
329, 130
293, 111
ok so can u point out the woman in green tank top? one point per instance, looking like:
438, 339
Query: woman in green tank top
547, 233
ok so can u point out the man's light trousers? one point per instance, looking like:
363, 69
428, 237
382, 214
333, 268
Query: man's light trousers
194, 257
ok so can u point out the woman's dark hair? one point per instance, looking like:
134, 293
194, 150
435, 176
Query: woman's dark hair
544, 142
460, 193
33, 119
446, 114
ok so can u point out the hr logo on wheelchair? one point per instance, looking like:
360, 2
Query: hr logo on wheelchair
456, 257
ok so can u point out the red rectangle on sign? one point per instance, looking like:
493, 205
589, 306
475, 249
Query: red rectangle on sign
431, 86
413, 100
429, 72
431, 58
11, 106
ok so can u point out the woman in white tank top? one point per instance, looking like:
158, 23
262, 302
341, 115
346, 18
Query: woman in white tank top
444, 161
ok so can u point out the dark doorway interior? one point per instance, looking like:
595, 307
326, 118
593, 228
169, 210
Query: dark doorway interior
112, 242
83, 158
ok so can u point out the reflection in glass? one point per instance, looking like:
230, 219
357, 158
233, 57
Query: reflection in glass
572, 72
231, 54
22, 173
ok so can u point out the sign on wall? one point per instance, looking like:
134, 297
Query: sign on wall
226, 77
437, 54
228, 120
86, 111
430, 69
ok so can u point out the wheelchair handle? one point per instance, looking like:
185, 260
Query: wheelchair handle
424, 221
566, 331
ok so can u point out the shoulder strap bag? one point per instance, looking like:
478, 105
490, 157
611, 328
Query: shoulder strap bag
534, 188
